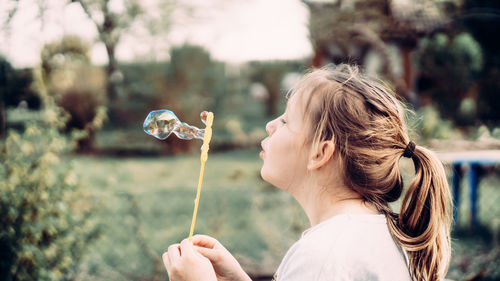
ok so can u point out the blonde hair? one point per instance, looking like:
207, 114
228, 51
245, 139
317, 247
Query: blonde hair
367, 124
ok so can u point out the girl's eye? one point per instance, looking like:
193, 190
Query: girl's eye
283, 121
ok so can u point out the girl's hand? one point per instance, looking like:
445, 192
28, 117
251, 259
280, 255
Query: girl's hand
184, 263
225, 265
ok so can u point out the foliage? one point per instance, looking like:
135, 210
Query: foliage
239, 117
489, 99
481, 19
110, 25
44, 216
76, 85
449, 69
270, 74
352, 26
193, 82
68, 50
428, 124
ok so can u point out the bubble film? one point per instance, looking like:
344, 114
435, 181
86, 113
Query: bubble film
162, 123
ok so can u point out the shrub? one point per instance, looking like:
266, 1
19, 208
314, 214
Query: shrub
449, 69
45, 219
76, 85
428, 124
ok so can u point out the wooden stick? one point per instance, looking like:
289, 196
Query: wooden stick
203, 158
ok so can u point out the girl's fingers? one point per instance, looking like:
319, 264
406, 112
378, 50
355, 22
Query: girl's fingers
205, 241
186, 248
174, 253
166, 261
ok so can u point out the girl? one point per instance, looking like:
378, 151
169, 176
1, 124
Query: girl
336, 149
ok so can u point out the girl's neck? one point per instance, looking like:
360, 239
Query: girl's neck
320, 204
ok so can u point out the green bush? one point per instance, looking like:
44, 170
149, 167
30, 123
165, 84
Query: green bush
449, 68
427, 124
45, 219
76, 86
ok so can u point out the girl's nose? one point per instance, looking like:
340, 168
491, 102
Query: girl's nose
270, 127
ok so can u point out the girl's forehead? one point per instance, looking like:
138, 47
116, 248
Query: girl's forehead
295, 104
295, 112
292, 100
290, 105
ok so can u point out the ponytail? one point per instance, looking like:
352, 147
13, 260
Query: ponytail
423, 225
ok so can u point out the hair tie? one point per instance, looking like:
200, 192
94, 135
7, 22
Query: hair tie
410, 148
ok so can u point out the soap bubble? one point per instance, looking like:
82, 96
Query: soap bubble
204, 116
161, 123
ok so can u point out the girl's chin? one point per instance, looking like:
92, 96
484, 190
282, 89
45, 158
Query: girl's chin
266, 177
263, 174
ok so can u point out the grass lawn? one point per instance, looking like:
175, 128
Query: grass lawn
256, 222
145, 204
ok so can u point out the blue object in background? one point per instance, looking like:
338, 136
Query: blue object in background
474, 160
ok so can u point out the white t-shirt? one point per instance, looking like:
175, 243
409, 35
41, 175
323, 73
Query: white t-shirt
346, 247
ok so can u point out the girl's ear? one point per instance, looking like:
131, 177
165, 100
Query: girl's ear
320, 157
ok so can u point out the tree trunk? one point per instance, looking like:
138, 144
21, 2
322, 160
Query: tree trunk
110, 70
407, 71
319, 57
272, 102
86, 145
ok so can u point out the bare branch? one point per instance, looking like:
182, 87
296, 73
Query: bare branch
87, 11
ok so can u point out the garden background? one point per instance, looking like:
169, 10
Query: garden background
85, 194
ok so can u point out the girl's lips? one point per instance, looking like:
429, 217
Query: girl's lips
261, 154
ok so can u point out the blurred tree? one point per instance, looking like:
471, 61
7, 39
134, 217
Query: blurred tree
45, 222
449, 69
343, 31
481, 18
11, 7
110, 26
270, 74
427, 124
346, 31
193, 83
76, 86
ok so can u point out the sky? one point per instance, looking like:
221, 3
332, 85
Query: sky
234, 31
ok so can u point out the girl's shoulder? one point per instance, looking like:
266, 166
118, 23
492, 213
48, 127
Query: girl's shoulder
345, 231
335, 238
343, 224
344, 245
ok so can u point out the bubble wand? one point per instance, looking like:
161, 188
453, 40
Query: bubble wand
161, 123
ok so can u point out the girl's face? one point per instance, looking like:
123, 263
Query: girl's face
285, 159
